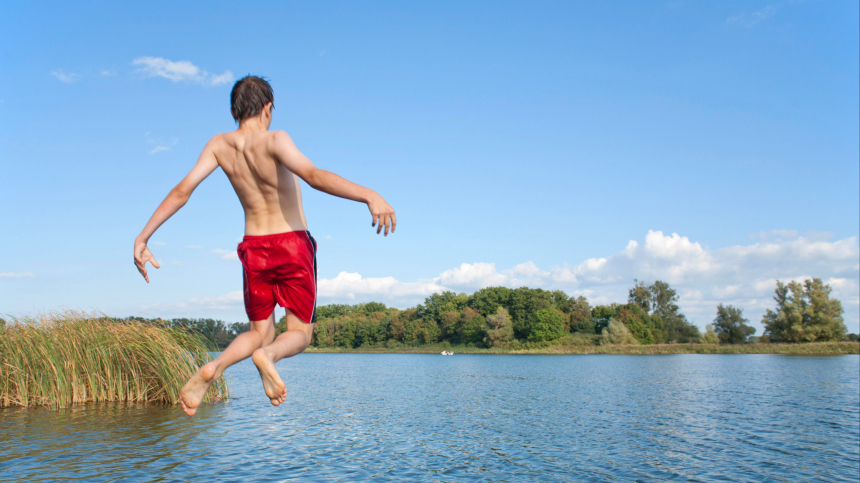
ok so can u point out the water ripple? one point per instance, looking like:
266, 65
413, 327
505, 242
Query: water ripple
353, 417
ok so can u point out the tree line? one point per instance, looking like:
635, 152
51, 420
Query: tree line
525, 317
518, 318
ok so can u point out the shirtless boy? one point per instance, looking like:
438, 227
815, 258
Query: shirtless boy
278, 254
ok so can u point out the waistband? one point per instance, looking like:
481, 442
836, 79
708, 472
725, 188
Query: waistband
276, 236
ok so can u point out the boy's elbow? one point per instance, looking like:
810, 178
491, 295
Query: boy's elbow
181, 194
312, 177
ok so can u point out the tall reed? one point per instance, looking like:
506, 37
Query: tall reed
65, 358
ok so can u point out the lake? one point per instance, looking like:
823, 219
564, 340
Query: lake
353, 417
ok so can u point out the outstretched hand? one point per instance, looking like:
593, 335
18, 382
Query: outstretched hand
141, 256
382, 213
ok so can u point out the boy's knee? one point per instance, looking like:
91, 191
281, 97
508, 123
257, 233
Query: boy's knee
266, 332
308, 331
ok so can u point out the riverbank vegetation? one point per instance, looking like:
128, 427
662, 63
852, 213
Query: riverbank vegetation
807, 349
524, 319
60, 359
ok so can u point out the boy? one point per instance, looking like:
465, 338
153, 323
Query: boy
278, 254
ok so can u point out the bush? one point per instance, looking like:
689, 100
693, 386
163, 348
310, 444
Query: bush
580, 340
548, 325
617, 333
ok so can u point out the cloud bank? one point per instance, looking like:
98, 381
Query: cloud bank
742, 275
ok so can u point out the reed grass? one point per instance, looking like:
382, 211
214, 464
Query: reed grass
60, 359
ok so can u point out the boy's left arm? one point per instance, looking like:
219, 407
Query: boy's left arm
174, 200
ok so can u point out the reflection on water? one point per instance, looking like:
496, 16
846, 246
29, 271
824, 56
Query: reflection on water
472, 417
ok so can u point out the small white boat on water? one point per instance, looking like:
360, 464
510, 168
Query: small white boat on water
447, 353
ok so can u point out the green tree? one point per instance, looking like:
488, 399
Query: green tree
430, 332
730, 325
548, 325
473, 327
616, 333
581, 320
640, 295
436, 305
450, 327
500, 329
334, 310
637, 321
320, 338
489, 299
524, 304
560, 300
601, 315
676, 328
804, 313
370, 308
710, 337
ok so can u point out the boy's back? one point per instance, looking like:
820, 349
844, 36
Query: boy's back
270, 193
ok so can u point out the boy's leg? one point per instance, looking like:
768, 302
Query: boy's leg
261, 333
296, 339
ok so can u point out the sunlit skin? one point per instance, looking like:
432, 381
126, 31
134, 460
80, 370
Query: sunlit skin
263, 166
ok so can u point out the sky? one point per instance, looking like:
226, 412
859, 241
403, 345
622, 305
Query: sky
559, 145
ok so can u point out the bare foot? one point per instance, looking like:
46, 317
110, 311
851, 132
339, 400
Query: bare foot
272, 383
192, 393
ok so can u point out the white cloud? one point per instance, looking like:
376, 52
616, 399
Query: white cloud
161, 146
742, 275
182, 70
158, 243
351, 285
107, 73
475, 275
221, 302
753, 18
226, 254
67, 78
15, 275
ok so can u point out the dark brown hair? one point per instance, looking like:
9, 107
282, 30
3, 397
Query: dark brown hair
248, 97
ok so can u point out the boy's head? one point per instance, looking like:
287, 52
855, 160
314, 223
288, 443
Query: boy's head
249, 96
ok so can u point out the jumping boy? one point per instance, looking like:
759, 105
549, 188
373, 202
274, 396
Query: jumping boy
278, 254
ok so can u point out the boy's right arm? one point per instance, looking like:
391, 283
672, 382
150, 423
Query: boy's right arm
284, 150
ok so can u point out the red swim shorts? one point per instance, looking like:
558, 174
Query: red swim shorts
279, 268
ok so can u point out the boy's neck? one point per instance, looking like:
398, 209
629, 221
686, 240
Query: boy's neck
249, 125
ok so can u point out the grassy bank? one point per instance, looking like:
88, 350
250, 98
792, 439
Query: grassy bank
812, 348
62, 359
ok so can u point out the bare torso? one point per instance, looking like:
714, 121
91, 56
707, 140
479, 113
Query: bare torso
270, 194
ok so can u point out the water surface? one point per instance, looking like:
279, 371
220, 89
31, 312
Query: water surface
352, 417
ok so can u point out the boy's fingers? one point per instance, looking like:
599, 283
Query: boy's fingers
373, 223
154, 262
387, 224
393, 222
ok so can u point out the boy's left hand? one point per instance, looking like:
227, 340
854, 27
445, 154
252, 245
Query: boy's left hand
141, 256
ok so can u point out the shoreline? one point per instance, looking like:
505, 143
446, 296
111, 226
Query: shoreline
810, 348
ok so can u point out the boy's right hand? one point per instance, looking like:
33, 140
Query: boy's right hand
382, 213
141, 256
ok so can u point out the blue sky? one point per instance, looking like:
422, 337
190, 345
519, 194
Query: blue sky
561, 145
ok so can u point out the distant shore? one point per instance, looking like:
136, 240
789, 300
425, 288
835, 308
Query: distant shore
811, 348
